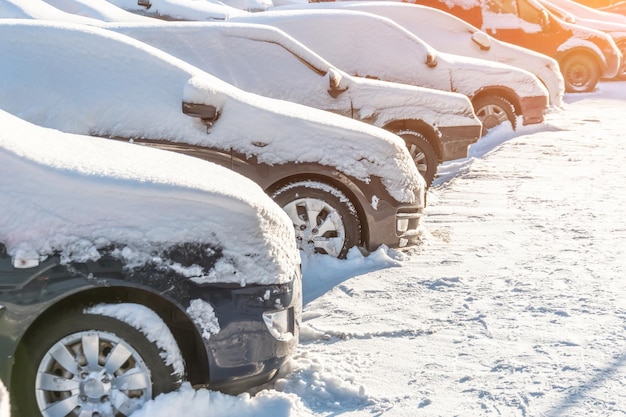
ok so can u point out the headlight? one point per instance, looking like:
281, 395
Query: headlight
280, 324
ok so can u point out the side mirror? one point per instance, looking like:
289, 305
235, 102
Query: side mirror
482, 40
205, 112
336, 85
431, 59
544, 20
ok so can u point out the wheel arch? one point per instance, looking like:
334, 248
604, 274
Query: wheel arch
596, 57
505, 92
184, 331
418, 126
343, 184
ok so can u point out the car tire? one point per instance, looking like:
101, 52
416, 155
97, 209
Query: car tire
581, 74
422, 153
335, 227
494, 110
89, 363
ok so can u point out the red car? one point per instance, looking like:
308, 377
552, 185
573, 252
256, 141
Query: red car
584, 55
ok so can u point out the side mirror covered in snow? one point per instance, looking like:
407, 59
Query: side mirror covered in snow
205, 112
481, 39
336, 85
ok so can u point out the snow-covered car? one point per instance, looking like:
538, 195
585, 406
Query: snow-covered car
39, 9
127, 270
437, 126
452, 35
343, 183
180, 9
96, 9
584, 55
367, 45
612, 24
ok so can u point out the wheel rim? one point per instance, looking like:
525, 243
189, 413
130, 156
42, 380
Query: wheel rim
89, 374
319, 227
491, 115
578, 75
419, 158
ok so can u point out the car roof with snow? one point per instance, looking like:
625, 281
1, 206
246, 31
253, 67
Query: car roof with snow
95, 9
39, 9
72, 195
180, 9
121, 88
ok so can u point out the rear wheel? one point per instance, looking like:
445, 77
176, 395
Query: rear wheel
89, 365
494, 110
422, 153
581, 74
324, 219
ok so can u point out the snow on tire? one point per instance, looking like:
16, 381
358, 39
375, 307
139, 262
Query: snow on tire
87, 364
324, 219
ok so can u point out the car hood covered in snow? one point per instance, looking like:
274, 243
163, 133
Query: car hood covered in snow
74, 195
91, 81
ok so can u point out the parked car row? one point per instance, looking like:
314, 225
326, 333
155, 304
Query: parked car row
162, 179
341, 183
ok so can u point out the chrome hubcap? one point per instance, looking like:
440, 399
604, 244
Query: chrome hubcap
92, 374
318, 226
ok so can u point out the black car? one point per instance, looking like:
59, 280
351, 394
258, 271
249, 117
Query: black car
120, 280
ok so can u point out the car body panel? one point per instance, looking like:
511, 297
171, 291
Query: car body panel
241, 355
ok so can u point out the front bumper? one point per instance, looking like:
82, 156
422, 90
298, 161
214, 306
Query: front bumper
455, 141
533, 109
392, 223
259, 331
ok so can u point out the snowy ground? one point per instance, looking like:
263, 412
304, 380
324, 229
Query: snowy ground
514, 305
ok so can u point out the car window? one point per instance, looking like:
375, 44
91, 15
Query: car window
269, 69
502, 6
366, 47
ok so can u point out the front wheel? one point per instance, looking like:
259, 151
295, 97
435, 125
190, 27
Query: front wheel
324, 219
581, 74
89, 365
422, 153
494, 110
